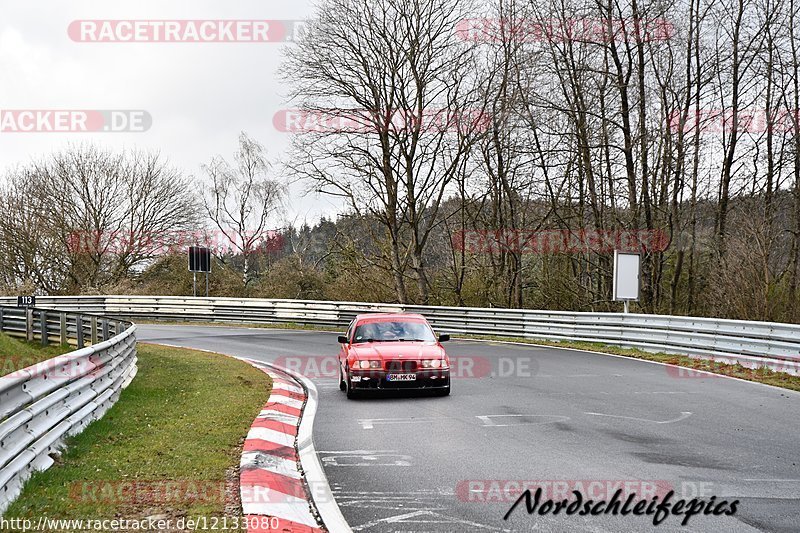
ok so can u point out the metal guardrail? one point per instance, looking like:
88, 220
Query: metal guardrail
752, 344
42, 404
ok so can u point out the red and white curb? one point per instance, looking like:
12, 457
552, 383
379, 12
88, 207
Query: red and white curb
282, 484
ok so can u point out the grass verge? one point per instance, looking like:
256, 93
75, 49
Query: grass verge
761, 375
169, 447
16, 354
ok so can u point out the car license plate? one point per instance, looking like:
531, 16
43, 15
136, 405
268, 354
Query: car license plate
401, 377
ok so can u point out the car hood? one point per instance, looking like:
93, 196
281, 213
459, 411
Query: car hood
398, 350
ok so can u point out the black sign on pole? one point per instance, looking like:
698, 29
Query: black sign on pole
26, 301
199, 259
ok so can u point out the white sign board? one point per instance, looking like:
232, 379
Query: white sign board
626, 276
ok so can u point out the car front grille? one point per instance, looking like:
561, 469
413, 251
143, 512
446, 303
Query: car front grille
400, 366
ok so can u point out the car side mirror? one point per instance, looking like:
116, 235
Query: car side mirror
444, 337
342, 339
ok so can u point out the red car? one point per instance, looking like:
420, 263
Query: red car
392, 352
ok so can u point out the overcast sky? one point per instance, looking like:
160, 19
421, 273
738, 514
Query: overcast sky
200, 95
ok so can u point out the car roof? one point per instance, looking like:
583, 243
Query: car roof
389, 316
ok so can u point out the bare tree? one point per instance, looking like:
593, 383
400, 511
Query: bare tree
31, 252
242, 200
399, 76
88, 217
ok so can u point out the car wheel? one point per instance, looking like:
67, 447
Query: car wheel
349, 387
342, 384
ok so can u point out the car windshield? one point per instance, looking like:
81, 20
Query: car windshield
393, 330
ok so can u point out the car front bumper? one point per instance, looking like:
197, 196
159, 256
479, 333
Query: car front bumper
427, 379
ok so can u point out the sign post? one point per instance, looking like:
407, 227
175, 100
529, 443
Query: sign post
626, 277
27, 303
199, 261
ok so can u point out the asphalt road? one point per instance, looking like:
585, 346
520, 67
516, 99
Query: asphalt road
562, 419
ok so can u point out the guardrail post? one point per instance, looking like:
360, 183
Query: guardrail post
63, 328
43, 327
1, 319
29, 324
79, 330
94, 330
105, 329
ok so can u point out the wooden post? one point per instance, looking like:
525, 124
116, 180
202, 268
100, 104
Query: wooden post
63, 328
43, 327
29, 324
79, 330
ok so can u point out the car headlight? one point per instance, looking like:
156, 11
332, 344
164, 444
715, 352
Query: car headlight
433, 363
368, 364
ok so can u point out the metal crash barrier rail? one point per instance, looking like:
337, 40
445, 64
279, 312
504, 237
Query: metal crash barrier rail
42, 404
752, 344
